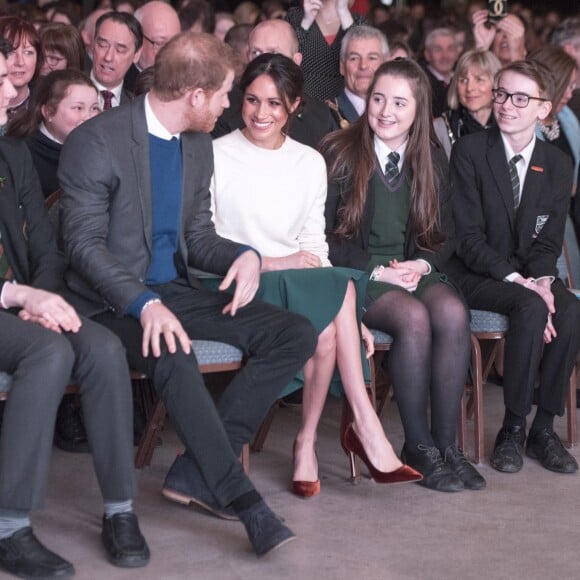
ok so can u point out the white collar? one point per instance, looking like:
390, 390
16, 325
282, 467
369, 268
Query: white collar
358, 103
44, 130
115, 90
382, 152
154, 125
526, 152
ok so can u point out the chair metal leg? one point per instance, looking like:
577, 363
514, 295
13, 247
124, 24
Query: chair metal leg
472, 404
571, 409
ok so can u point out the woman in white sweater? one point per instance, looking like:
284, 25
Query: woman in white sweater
269, 192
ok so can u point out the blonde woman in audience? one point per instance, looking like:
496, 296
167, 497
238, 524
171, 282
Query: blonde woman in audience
469, 98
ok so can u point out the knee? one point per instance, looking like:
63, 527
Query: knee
172, 372
53, 353
530, 311
451, 316
299, 335
326, 341
417, 319
98, 350
567, 319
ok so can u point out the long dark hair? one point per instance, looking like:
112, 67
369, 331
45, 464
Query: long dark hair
49, 92
351, 160
285, 74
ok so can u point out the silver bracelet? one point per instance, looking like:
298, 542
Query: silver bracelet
149, 302
375, 274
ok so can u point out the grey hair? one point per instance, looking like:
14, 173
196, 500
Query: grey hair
436, 32
567, 31
363, 32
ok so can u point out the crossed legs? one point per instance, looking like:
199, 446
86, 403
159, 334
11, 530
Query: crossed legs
339, 344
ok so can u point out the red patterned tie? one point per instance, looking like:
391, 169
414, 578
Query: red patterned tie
107, 100
5, 269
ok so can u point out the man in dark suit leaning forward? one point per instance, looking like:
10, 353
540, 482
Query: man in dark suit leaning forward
511, 194
138, 230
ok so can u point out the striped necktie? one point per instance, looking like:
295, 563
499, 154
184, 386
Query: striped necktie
107, 100
5, 269
515, 179
392, 167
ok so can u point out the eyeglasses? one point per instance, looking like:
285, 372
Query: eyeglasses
156, 44
53, 60
519, 100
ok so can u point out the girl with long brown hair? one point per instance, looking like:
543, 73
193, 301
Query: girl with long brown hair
388, 212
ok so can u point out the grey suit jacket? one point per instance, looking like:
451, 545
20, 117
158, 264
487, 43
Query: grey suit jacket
106, 210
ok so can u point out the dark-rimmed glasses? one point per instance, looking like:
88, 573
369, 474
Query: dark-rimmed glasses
519, 100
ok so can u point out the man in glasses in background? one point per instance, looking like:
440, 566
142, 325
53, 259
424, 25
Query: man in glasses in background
160, 23
511, 195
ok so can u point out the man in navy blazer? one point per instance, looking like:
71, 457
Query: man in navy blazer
362, 50
511, 196
43, 344
138, 232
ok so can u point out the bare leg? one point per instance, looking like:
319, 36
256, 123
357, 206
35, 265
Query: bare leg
366, 422
317, 376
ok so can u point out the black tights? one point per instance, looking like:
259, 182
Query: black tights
429, 357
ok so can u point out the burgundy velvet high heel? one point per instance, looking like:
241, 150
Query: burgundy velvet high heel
304, 489
352, 446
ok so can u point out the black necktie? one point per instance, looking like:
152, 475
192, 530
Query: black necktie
515, 179
392, 167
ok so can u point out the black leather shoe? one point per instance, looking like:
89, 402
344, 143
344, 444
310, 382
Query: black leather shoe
507, 451
184, 484
265, 529
546, 447
125, 545
70, 434
471, 478
429, 463
23, 555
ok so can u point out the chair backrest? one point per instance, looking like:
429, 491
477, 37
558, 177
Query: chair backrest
572, 253
563, 265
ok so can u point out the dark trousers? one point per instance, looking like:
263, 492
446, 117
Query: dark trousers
527, 359
277, 342
41, 363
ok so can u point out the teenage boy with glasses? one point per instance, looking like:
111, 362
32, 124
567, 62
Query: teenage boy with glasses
511, 194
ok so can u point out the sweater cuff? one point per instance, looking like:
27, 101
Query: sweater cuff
134, 309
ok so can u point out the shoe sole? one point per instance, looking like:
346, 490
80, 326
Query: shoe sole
64, 574
130, 562
187, 500
476, 487
279, 545
512, 469
426, 486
